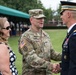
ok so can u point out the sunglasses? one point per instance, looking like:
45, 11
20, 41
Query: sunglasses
7, 28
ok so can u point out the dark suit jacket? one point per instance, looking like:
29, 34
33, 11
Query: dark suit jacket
68, 63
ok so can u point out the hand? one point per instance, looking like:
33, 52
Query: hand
56, 68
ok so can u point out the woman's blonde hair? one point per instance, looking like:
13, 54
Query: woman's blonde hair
2, 22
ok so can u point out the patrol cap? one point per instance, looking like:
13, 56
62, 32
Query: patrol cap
36, 13
65, 5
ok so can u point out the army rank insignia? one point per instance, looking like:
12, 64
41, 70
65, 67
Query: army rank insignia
65, 57
74, 30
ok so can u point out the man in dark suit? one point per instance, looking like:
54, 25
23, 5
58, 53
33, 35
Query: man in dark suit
68, 16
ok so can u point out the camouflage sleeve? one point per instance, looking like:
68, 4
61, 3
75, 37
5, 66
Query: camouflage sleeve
27, 50
19, 49
55, 55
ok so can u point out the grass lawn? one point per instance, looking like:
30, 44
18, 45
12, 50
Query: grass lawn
56, 36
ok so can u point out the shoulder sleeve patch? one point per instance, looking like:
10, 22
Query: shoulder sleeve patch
22, 43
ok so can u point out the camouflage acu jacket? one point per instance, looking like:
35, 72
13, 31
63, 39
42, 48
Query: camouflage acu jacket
37, 52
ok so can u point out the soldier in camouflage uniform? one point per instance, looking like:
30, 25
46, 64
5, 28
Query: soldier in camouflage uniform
36, 48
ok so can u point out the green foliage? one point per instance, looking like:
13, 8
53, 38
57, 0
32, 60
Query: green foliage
56, 37
49, 14
57, 16
13, 41
22, 5
26, 5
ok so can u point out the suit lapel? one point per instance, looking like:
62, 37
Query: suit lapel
68, 34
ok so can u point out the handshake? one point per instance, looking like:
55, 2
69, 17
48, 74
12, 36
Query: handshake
56, 68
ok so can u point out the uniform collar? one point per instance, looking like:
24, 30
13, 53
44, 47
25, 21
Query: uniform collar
71, 27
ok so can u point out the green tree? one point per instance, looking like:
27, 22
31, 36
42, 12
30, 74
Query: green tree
57, 14
26, 5
22, 5
49, 14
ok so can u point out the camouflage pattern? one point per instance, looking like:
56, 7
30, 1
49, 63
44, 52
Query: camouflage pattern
37, 53
36, 13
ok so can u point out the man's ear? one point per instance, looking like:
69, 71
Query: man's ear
69, 14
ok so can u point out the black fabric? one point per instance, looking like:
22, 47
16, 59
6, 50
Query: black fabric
68, 64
